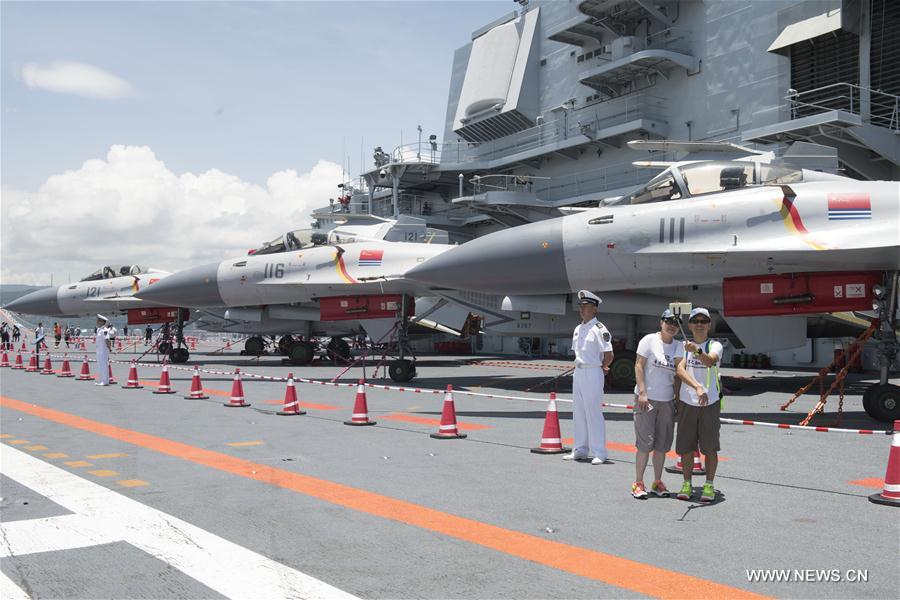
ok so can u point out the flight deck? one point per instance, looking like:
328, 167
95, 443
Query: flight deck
112, 492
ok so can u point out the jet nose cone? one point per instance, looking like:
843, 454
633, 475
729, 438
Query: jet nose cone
41, 302
196, 287
529, 259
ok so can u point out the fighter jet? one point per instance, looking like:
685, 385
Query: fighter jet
764, 243
307, 277
108, 289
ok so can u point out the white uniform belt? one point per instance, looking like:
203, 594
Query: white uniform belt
587, 366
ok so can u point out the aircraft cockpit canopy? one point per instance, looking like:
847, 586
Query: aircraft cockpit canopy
710, 177
297, 239
109, 272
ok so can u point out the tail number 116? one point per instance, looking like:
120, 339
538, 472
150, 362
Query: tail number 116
275, 270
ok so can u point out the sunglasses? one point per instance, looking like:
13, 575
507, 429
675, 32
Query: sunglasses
670, 321
700, 321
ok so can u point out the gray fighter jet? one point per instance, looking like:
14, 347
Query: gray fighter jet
109, 289
763, 243
308, 278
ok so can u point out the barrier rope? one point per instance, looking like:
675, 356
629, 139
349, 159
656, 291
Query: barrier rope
518, 365
418, 390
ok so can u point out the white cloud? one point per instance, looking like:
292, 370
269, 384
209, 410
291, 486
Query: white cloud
129, 208
76, 78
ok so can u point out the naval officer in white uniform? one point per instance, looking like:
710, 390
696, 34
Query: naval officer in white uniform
102, 350
592, 345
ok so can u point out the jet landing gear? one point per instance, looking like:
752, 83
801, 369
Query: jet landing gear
402, 369
300, 353
882, 400
621, 370
338, 351
178, 354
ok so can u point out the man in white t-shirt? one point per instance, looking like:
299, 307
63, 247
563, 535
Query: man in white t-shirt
654, 406
698, 404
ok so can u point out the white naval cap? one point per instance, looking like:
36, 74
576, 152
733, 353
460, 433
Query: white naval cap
586, 297
102, 318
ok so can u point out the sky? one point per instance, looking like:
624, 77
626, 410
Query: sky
172, 134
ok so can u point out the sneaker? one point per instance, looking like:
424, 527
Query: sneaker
600, 461
573, 456
637, 490
686, 491
658, 488
708, 494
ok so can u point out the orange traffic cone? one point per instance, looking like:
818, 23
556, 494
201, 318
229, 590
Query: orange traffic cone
66, 370
360, 408
4, 361
164, 386
448, 429
118, 345
291, 402
32, 364
193, 343
48, 367
890, 496
112, 378
678, 468
133, 382
196, 387
24, 348
85, 374
83, 345
18, 364
551, 438
237, 392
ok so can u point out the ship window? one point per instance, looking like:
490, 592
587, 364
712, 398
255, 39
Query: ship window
711, 177
662, 187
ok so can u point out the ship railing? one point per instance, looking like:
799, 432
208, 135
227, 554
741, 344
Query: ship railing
567, 122
573, 185
883, 109
505, 183
417, 152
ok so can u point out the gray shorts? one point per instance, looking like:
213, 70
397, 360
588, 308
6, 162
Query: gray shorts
654, 429
698, 424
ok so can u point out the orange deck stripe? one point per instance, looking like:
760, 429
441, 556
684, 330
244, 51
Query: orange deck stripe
426, 421
873, 482
599, 566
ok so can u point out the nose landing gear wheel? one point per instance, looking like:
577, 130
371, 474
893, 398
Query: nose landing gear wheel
882, 402
179, 355
254, 346
402, 370
164, 348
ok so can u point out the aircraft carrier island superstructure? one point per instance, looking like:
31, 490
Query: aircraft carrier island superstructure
543, 102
